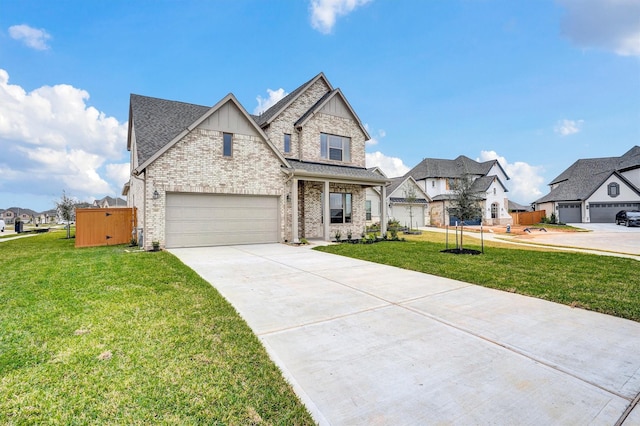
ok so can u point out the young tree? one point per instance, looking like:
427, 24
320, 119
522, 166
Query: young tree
65, 208
466, 203
410, 197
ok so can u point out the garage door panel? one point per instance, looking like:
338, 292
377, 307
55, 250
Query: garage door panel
194, 220
570, 213
606, 212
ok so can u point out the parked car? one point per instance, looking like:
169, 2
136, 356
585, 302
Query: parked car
629, 218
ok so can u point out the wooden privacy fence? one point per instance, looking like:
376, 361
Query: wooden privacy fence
104, 227
528, 218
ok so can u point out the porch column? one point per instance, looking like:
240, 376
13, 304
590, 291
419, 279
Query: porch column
383, 210
326, 212
294, 211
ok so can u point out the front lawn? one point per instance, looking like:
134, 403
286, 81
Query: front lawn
102, 336
600, 283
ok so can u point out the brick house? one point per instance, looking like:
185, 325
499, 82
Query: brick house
218, 175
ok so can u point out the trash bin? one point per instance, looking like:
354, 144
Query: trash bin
508, 229
18, 227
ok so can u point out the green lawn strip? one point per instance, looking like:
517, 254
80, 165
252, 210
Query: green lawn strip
99, 335
604, 284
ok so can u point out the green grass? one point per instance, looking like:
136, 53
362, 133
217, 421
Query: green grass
604, 284
103, 336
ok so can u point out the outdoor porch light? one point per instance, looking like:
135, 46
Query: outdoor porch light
155, 194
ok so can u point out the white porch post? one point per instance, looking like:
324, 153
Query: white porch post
294, 211
326, 212
383, 210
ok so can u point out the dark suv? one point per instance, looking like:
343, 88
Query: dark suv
629, 218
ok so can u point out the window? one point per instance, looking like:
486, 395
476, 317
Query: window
494, 211
367, 208
227, 144
494, 191
451, 183
287, 143
340, 207
613, 189
433, 183
335, 147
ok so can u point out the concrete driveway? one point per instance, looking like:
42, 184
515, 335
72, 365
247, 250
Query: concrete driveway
363, 343
603, 236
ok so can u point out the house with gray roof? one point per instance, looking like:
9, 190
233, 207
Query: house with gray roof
109, 202
204, 176
439, 177
405, 203
595, 189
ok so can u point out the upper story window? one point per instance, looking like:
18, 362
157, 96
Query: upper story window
227, 144
334, 147
613, 189
494, 191
287, 143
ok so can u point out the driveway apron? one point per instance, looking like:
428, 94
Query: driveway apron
363, 343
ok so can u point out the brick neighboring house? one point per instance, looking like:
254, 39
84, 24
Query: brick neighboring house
204, 176
437, 178
595, 189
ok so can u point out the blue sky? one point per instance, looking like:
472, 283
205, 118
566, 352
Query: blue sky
537, 84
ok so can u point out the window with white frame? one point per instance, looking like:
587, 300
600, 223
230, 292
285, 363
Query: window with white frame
287, 143
367, 208
227, 144
340, 207
334, 147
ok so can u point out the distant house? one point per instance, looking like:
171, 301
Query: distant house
518, 208
405, 202
595, 189
438, 178
107, 202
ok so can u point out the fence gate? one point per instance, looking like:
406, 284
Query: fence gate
104, 227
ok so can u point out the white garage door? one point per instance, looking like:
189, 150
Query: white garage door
400, 213
196, 220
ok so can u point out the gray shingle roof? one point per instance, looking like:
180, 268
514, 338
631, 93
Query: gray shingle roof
440, 168
267, 115
330, 170
584, 176
158, 121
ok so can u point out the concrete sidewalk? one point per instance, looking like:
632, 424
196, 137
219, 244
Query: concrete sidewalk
363, 343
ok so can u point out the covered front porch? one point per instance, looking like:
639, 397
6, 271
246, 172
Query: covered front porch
326, 199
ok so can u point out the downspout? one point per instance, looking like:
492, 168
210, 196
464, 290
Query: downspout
140, 236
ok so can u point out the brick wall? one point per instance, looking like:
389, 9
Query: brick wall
196, 165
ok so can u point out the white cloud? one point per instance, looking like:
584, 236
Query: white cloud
568, 127
612, 25
54, 141
391, 166
118, 173
525, 180
266, 103
375, 138
32, 37
325, 12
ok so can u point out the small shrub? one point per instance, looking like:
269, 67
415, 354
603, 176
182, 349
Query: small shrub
337, 236
552, 219
304, 241
349, 234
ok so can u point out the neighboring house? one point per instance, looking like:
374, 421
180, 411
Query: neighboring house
518, 208
438, 178
204, 176
108, 202
595, 189
47, 216
12, 213
406, 202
